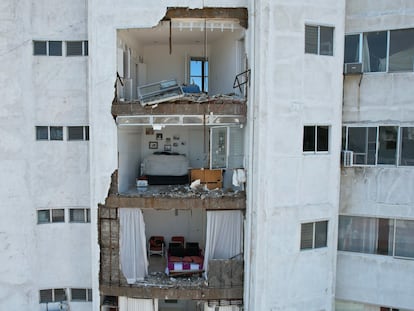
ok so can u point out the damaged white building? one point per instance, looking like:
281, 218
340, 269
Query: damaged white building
207, 155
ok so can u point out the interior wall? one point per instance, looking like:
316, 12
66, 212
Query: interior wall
129, 158
188, 223
161, 65
223, 63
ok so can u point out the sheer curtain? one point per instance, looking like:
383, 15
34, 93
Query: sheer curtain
132, 304
358, 234
133, 250
365, 55
224, 235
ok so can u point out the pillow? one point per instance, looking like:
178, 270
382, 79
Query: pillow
197, 259
174, 259
187, 259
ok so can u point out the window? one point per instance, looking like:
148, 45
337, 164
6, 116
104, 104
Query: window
56, 132
376, 236
55, 48
42, 133
314, 235
49, 133
352, 49
81, 294
384, 145
375, 51
76, 48
52, 295
407, 146
45, 216
401, 52
79, 215
39, 48
381, 51
315, 138
199, 73
387, 145
319, 40
78, 132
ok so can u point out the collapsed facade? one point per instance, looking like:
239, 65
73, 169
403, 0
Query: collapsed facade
213, 176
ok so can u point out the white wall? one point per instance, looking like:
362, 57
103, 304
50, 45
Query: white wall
379, 98
291, 89
41, 90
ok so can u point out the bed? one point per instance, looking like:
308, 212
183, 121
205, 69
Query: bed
164, 168
184, 261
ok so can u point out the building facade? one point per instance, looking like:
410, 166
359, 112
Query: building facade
207, 155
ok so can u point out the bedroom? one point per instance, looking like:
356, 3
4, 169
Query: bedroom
195, 146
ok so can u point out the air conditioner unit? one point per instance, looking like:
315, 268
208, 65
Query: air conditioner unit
352, 68
347, 158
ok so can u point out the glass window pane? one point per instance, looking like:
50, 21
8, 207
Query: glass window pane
404, 238
75, 133
407, 146
197, 81
375, 51
357, 234
344, 138
306, 236
56, 133
42, 133
86, 48
39, 48
206, 68
74, 48
323, 138
55, 48
43, 216
89, 294
321, 234
385, 236
311, 39
326, 41
60, 294
77, 215
401, 50
195, 68
387, 149
45, 295
86, 132
58, 215
78, 294
309, 138
351, 49
219, 147
88, 215
362, 141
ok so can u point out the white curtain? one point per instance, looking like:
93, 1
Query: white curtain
133, 250
224, 236
365, 55
220, 308
132, 304
358, 234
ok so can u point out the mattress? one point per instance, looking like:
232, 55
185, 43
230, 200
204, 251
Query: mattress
165, 165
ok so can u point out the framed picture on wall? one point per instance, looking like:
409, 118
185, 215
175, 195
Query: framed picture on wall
158, 136
149, 131
167, 147
153, 145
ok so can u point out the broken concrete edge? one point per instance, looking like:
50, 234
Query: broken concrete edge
240, 13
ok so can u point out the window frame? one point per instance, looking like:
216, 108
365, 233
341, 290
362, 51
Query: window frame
51, 218
86, 215
388, 47
85, 132
49, 132
314, 224
318, 39
316, 139
84, 48
88, 294
53, 294
204, 76
392, 243
399, 142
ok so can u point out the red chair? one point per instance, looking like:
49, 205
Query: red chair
178, 239
156, 245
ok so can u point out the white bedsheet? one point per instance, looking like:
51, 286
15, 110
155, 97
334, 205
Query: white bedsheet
165, 165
